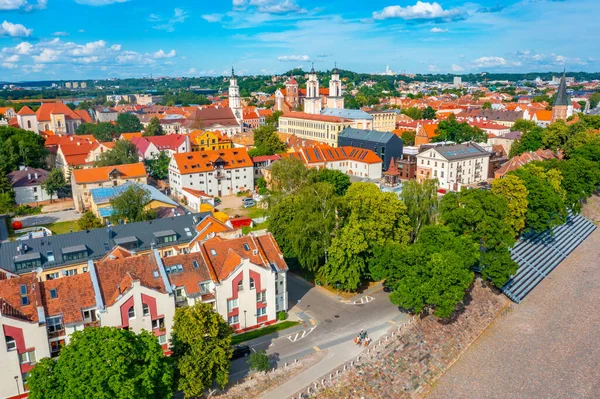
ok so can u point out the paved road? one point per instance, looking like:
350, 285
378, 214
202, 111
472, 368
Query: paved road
48, 218
327, 324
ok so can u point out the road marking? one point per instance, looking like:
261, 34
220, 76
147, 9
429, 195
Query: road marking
316, 348
362, 300
301, 334
392, 321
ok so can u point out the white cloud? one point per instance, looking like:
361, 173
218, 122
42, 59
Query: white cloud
115, 47
87, 60
12, 58
47, 55
9, 65
14, 30
179, 16
99, 2
268, 6
23, 48
60, 34
22, 5
486, 62
294, 58
438, 30
213, 17
81, 31
457, 68
88, 48
161, 54
420, 11
192, 71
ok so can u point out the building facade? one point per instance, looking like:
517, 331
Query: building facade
27, 185
320, 128
385, 145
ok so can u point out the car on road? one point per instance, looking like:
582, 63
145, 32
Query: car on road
248, 202
240, 351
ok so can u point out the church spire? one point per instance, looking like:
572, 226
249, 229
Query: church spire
312, 69
562, 98
232, 73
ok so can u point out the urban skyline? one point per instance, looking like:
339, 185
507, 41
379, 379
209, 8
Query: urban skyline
97, 39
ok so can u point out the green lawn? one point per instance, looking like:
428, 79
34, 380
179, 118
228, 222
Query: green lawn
63, 227
259, 226
247, 336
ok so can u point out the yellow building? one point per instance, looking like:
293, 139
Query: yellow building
317, 127
204, 140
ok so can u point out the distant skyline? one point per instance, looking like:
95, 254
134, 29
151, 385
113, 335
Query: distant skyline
97, 39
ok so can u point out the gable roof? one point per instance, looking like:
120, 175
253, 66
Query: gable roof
517, 161
27, 177
372, 136
99, 174
45, 111
74, 293
10, 297
215, 115
26, 111
203, 161
195, 271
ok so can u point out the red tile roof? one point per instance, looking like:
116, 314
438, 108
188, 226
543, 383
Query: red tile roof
203, 161
314, 117
92, 175
74, 293
46, 109
516, 162
10, 297
26, 111
193, 273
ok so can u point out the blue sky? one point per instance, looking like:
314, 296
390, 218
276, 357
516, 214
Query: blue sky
82, 39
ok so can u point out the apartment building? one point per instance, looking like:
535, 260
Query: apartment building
217, 173
317, 127
384, 120
244, 278
454, 166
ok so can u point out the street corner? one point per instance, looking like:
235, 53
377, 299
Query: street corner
362, 300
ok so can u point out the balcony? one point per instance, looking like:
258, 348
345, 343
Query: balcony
56, 334
92, 324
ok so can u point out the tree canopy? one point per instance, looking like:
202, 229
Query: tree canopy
458, 132
154, 128
201, 344
128, 123
158, 165
131, 205
123, 152
21, 147
54, 183
421, 200
514, 192
103, 131
107, 363
266, 142
339, 180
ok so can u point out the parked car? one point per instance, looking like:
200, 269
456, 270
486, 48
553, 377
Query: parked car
248, 202
240, 351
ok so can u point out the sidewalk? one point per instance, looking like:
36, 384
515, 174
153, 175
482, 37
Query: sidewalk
339, 351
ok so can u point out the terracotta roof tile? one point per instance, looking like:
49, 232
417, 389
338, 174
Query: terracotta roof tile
203, 161
128, 171
74, 293
195, 271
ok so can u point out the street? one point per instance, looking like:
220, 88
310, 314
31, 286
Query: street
327, 323
48, 218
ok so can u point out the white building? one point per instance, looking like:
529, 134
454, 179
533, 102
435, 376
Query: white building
312, 101
27, 185
458, 82
454, 166
235, 102
358, 162
335, 98
217, 173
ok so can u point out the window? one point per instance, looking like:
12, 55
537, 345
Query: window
11, 344
233, 319
75, 255
55, 347
50, 256
27, 357
54, 324
53, 293
162, 339
213, 252
261, 312
145, 310
195, 264
168, 253
158, 323
232, 304
204, 288
241, 286
261, 296
71, 272
246, 247
24, 297
252, 283
89, 316
131, 312
174, 269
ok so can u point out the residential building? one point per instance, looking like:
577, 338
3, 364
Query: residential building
196, 198
217, 173
506, 141
147, 99
506, 118
454, 166
8, 112
353, 161
516, 162
498, 158
203, 140
105, 114
425, 132
317, 127
27, 185
261, 162
384, 120
101, 197
84, 180
407, 163
385, 145
55, 117
149, 147
360, 119
220, 119
243, 278
542, 117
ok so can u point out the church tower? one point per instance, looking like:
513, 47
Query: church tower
291, 92
235, 102
312, 101
335, 99
562, 107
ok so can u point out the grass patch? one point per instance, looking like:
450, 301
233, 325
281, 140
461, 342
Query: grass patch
63, 227
247, 336
255, 212
259, 226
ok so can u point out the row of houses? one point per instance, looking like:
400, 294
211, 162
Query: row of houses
126, 283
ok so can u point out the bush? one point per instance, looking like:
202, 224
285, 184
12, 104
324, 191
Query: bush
282, 315
259, 361
27, 210
89, 221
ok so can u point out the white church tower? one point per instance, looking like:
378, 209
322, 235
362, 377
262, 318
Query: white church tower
235, 102
312, 101
335, 99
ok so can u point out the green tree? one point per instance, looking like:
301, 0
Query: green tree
105, 362
128, 123
259, 361
89, 221
451, 130
546, 206
594, 100
487, 105
434, 273
289, 175
6, 187
531, 140
54, 183
103, 131
131, 205
556, 135
339, 180
523, 125
158, 166
154, 128
429, 113
580, 179
267, 142
124, 152
201, 343
373, 218
413, 112
513, 190
7, 203
481, 215
21, 147
273, 119
421, 200
408, 137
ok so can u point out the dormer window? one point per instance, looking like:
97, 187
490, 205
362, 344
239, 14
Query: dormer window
74, 253
164, 237
53, 293
213, 252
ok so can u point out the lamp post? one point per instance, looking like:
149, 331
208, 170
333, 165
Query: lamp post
17, 382
244, 319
